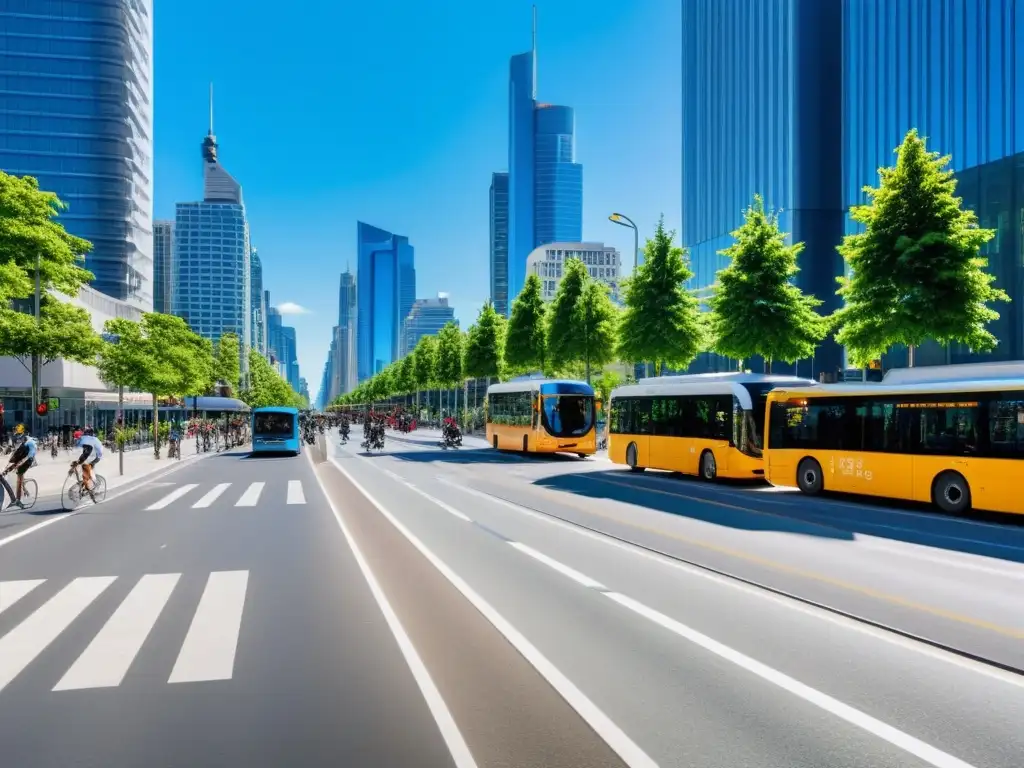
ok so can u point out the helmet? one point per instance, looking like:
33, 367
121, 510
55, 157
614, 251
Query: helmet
78, 434
89, 431
19, 429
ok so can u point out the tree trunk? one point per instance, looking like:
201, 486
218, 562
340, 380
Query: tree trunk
768, 365
910, 355
156, 427
119, 426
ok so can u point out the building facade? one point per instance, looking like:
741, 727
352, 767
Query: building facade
163, 267
499, 243
428, 316
275, 336
954, 71
762, 107
212, 253
258, 333
289, 357
386, 290
344, 374
603, 262
545, 184
78, 115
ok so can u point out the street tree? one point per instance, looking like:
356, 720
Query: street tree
526, 335
406, 377
595, 325
37, 255
485, 345
448, 370
662, 319
917, 269
228, 359
425, 362
563, 340
755, 308
266, 386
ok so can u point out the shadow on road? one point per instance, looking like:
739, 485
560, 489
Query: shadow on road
795, 513
429, 454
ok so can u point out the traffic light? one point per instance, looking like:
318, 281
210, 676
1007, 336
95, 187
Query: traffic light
41, 409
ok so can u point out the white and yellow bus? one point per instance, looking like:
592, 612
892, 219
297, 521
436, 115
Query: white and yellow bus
542, 416
922, 435
710, 424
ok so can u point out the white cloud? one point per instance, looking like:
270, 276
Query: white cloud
291, 308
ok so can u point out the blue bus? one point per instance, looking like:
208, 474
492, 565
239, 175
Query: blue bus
275, 430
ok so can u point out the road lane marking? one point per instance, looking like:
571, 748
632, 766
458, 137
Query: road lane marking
251, 495
172, 497
896, 737
630, 752
208, 652
211, 496
723, 580
563, 569
20, 646
12, 591
446, 724
106, 660
295, 494
446, 507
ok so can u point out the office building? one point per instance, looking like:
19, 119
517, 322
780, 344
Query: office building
212, 253
385, 290
499, 243
289, 357
762, 113
548, 261
163, 266
954, 71
258, 337
77, 102
274, 334
428, 316
303, 389
545, 183
344, 372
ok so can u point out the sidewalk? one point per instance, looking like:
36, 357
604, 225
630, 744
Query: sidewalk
51, 473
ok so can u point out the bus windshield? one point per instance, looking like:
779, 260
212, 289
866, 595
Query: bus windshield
568, 415
270, 423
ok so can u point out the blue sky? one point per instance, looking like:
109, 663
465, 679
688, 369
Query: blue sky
395, 113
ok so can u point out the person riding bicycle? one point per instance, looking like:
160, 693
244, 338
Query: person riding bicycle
21, 461
175, 439
92, 452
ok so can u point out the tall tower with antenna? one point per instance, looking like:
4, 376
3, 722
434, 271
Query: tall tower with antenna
210, 140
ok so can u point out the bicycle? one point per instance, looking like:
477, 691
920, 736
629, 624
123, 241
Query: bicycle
29, 493
71, 495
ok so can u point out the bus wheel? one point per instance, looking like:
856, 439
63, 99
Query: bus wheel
809, 477
708, 468
951, 493
631, 458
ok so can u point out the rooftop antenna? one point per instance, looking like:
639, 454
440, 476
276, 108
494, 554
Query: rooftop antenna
211, 109
534, 49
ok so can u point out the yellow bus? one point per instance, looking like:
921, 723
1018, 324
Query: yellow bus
709, 424
918, 435
542, 416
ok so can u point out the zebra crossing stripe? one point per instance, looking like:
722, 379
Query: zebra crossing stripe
20, 646
212, 496
208, 652
172, 497
107, 658
251, 495
295, 493
12, 591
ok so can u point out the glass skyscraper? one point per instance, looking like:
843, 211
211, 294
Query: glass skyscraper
163, 266
258, 329
386, 290
545, 184
499, 242
954, 71
344, 342
213, 291
77, 103
427, 317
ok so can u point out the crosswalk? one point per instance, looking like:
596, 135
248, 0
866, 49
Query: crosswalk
207, 652
251, 495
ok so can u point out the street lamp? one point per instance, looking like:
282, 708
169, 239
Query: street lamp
625, 221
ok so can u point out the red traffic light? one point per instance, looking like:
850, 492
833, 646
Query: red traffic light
42, 408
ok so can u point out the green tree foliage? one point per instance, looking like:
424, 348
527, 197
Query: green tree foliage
30, 234
266, 386
405, 378
425, 362
448, 369
756, 309
563, 340
662, 319
605, 383
916, 268
485, 344
126, 360
228, 360
595, 326
526, 336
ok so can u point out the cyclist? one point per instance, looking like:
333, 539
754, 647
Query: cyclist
92, 452
175, 441
21, 460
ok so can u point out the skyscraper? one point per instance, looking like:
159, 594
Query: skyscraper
163, 266
499, 242
275, 336
386, 290
344, 359
289, 357
428, 316
258, 339
782, 141
545, 183
78, 115
213, 291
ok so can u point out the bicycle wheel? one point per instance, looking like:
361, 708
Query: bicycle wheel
99, 488
71, 496
29, 492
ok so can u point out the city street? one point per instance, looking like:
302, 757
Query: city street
517, 612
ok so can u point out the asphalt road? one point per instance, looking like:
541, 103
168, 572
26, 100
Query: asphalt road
416, 609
